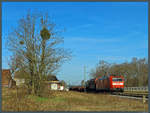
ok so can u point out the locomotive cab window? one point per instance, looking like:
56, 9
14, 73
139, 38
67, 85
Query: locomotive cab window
117, 79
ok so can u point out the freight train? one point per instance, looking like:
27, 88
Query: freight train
106, 83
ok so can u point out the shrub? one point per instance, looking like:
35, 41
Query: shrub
44, 91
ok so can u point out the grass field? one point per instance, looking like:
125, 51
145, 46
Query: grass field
68, 101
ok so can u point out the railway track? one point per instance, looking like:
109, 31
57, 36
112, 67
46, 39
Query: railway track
133, 95
130, 97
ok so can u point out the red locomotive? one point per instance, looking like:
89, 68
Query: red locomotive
106, 83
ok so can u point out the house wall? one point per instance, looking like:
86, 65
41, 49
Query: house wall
54, 85
6, 77
19, 81
61, 87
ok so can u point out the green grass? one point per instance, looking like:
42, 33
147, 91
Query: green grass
58, 99
37, 99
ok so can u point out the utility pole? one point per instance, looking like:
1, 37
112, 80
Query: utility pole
84, 78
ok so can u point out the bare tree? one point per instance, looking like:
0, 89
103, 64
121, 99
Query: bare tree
102, 69
35, 41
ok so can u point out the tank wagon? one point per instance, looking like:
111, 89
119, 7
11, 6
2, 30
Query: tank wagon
106, 83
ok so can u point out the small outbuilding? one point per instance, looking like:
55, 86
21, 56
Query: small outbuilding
55, 85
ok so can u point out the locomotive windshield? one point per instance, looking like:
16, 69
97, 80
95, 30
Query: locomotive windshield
117, 79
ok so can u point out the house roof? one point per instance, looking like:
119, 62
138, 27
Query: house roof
6, 73
51, 78
20, 74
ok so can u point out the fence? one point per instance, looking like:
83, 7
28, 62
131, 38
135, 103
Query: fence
145, 89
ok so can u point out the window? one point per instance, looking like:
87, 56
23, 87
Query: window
117, 79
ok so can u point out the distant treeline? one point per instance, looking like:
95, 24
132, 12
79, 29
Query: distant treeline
134, 72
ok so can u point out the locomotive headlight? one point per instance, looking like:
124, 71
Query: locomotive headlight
114, 84
117, 83
121, 83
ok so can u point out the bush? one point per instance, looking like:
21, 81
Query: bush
44, 91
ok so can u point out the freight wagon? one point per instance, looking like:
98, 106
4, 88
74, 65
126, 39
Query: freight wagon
76, 88
90, 85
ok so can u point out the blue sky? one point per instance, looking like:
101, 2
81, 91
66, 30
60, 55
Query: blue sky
111, 31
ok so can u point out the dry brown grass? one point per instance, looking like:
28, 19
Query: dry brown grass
68, 101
